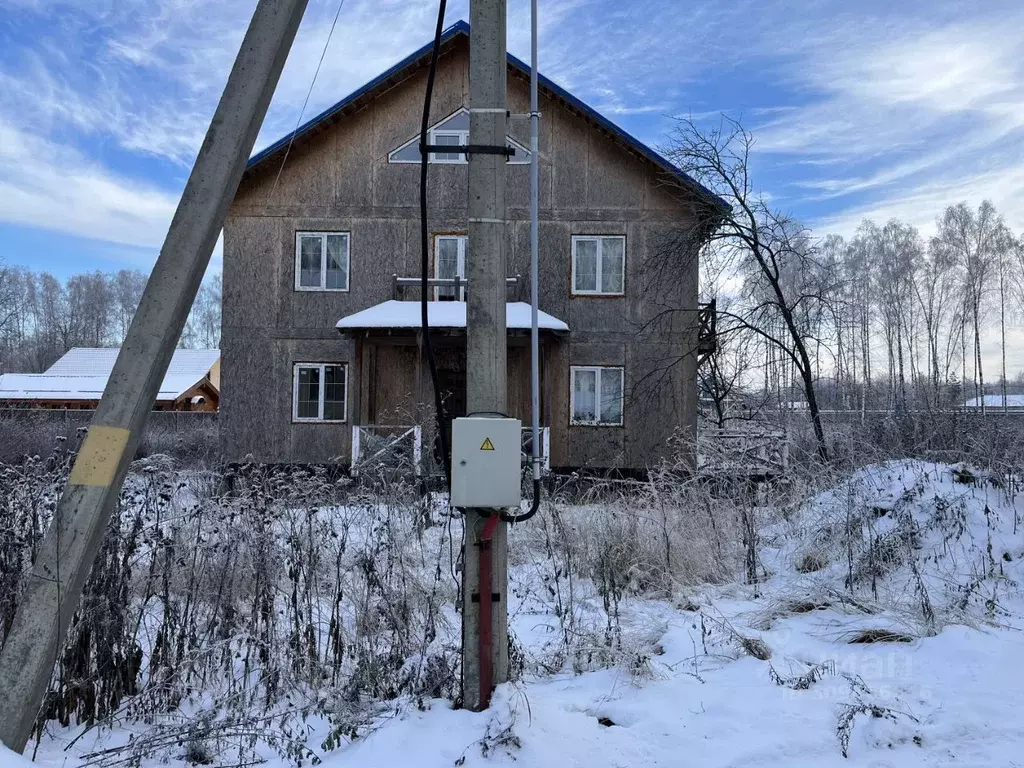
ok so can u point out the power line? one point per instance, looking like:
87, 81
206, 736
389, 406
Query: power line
428, 348
305, 103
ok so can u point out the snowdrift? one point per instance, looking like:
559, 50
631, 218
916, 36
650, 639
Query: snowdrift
935, 543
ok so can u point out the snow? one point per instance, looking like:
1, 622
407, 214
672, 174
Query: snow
44, 386
442, 314
10, 759
964, 711
996, 401
684, 692
82, 373
99, 361
955, 525
945, 700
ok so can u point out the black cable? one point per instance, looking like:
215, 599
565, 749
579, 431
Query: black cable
425, 243
513, 519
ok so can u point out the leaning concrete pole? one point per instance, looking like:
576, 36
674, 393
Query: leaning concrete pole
485, 338
54, 587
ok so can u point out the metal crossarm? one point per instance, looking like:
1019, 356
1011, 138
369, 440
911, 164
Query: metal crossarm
469, 149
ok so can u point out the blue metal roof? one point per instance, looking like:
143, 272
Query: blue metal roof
461, 28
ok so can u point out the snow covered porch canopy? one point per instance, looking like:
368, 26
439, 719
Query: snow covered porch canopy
405, 316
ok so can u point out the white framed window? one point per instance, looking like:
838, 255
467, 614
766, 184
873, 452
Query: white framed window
322, 261
597, 395
451, 131
320, 392
598, 265
450, 262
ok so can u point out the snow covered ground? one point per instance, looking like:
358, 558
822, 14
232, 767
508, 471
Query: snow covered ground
923, 559
950, 700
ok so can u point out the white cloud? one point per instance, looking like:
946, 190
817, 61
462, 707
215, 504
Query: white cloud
892, 110
921, 205
55, 187
911, 117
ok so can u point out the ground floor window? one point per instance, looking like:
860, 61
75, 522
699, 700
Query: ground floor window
597, 395
319, 392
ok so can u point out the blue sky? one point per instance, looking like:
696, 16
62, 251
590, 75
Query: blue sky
859, 109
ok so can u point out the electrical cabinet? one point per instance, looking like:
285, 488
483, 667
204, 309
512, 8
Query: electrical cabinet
486, 462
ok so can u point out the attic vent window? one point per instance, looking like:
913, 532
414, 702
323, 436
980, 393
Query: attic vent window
448, 140
452, 131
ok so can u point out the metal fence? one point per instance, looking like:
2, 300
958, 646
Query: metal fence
399, 448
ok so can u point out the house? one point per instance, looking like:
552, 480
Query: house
320, 329
77, 381
1014, 403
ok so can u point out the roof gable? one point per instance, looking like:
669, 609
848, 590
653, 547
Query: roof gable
455, 32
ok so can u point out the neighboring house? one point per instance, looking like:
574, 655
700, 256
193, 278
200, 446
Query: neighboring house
77, 381
995, 403
322, 255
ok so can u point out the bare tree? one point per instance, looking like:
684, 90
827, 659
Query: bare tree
127, 286
897, 252
934, 290
8, 296
785, 292
724, 378
42, 317
202, 329
859, 299
974, 241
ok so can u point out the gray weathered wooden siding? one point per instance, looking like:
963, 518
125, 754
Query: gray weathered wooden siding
340, 180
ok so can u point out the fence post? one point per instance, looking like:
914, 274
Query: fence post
355, 450
417, 450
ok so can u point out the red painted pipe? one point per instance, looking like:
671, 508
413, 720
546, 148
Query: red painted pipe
486, 649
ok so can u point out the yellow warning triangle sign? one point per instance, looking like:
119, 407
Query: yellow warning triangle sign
488, 445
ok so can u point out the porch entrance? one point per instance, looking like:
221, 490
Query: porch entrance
393, 394
451, 374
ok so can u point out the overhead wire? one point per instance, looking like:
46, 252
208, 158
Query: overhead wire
428, 348
424, 264
535, 457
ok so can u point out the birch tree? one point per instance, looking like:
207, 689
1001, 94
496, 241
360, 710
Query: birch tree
974, 240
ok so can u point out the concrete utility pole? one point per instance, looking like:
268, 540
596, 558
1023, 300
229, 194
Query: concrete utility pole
55, 585
485, 337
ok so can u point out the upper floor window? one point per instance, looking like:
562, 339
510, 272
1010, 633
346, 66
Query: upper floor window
319, 392
598, 264
452, 131
321, 261
597, 396
450, 262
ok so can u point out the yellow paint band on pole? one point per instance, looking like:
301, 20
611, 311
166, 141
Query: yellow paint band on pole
99, 456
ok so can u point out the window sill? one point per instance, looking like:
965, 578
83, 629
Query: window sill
305, 289
596, 295
594, 424
319, 421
